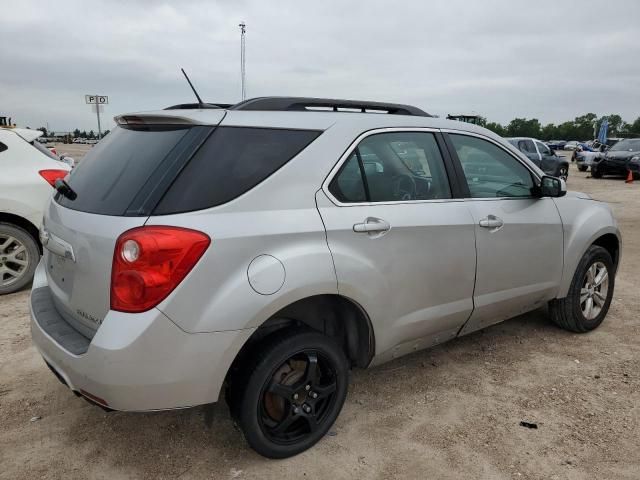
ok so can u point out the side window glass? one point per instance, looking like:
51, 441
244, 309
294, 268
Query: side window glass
3, 147
397, 166
531, 147
544, 150
347, 186
489, 170
404, 166
524, 146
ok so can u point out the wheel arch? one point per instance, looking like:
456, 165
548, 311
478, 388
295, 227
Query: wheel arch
608, 238
23, 223
331, 314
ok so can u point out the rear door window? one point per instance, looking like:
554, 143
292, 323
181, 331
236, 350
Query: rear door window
396, 166
232, 161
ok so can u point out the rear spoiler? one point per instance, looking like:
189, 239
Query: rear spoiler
142, 119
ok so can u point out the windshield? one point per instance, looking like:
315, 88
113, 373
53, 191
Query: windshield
630, 145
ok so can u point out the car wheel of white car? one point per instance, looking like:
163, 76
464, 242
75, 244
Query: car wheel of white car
19, 256
587, 303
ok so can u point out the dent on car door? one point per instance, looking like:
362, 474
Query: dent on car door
518, 237
402, 247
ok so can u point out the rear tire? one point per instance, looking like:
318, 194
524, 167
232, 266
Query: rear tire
19, 256
590, 293
290, 392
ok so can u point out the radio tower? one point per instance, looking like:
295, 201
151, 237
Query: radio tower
243, 31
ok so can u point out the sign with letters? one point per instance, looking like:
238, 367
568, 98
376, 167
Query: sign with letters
96, 99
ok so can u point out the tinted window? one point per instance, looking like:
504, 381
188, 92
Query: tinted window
111, 174
348, 186
232, 161
3, 147
490, 171
397, 166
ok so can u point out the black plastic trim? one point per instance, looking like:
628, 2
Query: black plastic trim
54, 324
302, 104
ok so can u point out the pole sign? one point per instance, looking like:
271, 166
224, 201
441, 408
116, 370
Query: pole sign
96, 99
97, 102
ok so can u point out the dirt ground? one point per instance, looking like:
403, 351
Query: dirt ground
452, 412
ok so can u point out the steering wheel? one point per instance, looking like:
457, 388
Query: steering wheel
404, 187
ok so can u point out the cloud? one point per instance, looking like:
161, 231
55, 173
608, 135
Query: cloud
550, 60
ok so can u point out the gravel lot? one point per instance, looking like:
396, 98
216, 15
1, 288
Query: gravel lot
450, 412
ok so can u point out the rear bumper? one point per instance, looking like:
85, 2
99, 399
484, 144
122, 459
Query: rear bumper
141, 362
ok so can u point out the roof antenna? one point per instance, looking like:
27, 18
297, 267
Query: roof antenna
200, 102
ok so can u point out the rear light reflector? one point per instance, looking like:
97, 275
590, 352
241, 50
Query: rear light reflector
52, 175
149, 262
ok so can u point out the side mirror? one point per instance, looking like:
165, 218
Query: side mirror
552, 187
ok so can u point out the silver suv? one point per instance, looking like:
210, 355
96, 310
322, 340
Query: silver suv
259, 251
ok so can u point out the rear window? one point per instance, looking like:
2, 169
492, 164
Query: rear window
114, 171
38, 146
232, 161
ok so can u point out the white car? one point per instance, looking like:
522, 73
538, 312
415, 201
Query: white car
29, 173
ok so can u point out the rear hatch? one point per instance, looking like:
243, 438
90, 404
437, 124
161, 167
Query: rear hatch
117, 185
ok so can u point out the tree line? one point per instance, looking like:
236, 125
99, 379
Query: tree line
584, 127
76, 133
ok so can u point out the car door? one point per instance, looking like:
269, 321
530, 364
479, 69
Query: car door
403, 246
518, 236
548, 160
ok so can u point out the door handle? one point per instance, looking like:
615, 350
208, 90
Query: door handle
491, 221
372, 225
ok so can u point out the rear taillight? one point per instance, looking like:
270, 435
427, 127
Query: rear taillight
149, 262
52, 175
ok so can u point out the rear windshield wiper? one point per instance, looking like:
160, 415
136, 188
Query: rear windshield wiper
64, 189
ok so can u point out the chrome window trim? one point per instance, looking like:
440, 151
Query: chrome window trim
343, 158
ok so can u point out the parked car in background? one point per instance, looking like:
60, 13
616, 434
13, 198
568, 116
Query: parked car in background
542, 156
571, 146
620, 159
556, 144
355, 239
26, 184
584, 159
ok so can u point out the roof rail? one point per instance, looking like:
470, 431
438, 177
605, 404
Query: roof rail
190, 106
314, 104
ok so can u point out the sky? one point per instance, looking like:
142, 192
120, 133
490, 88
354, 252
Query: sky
551, 60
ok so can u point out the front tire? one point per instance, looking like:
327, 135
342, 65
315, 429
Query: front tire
563, 172
291, 393
582, 169
595, 172
590, 293
19, 256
